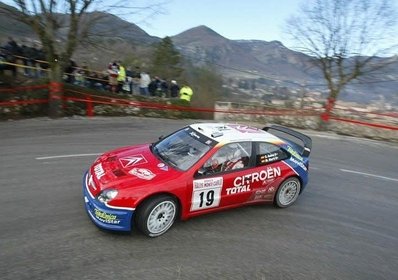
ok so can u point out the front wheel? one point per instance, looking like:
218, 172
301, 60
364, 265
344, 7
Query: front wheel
156, 215
287, 192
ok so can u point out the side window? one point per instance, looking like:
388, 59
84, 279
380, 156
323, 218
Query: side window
268, 153
232, 156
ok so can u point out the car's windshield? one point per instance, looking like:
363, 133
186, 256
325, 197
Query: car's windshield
182, 149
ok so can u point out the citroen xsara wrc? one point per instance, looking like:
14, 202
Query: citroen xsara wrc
199, 169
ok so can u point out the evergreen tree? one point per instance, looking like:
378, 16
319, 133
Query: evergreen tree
166, 60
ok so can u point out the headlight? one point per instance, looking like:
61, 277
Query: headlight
107, 195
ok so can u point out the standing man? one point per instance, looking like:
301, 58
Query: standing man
174, 89
144, 82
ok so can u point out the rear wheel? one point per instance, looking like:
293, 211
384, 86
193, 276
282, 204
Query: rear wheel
157, 215
287, 192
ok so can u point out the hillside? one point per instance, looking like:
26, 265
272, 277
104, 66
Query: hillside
238, 57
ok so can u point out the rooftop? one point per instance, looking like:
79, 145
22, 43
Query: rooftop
224, 132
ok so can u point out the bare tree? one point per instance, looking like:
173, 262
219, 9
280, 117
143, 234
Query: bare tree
61, 25
345, 37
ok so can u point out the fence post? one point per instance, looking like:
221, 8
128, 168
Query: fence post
89, 108
330, 103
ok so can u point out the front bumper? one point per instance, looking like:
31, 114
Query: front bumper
105, 216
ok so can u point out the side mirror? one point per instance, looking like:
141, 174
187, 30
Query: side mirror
161, 137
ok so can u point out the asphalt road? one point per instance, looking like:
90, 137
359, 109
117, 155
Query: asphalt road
344, 226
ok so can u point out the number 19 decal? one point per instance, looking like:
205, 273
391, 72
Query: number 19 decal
206, 193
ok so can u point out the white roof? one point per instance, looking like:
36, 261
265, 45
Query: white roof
224, 132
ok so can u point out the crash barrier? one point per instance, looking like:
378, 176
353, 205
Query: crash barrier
378, 125
9, 102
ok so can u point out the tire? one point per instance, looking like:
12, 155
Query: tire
155, 216
287, 192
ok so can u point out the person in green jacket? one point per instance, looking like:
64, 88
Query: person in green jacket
121, 78
186, 93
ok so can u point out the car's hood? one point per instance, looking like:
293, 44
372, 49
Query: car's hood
128, 167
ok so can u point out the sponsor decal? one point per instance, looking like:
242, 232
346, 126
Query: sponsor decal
193, 134
99, 171
244, 128
91, 182
142, 173
263, 194
105, 217
206, 193
238, 189
294, 153
260, 194
207, 183
163, 166
268, 157
299, 163
132, 160
243, 183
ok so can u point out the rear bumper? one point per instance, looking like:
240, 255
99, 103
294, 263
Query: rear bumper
105, 216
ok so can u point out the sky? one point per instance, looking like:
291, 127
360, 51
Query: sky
232, 19
244, 19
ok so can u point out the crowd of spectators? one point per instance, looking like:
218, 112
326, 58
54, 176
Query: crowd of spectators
32, 57
116, 78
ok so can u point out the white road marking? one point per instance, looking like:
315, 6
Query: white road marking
66, 156
370, 175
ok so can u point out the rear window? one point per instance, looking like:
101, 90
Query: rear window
269, 153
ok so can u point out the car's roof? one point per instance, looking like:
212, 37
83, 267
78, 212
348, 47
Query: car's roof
225, 132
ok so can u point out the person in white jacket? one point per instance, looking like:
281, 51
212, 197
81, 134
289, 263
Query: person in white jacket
145, 79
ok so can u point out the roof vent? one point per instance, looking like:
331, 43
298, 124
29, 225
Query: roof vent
216, 134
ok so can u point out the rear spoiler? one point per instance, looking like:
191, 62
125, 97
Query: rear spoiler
307, 141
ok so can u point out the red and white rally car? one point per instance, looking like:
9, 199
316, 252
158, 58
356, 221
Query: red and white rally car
201, 168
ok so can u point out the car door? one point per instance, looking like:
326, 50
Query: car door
221, 182
269, 171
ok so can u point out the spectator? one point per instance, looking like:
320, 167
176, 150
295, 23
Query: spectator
129, 81
174, 89
79, 77
136, 75
158, 85
10, 50
113, 71
69, 71
186, 93
121, 78
12, 45
2, 60
152, 87
145, 79
92, 80
41, 62
85, 73
164, 88
103, 78
26, 57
